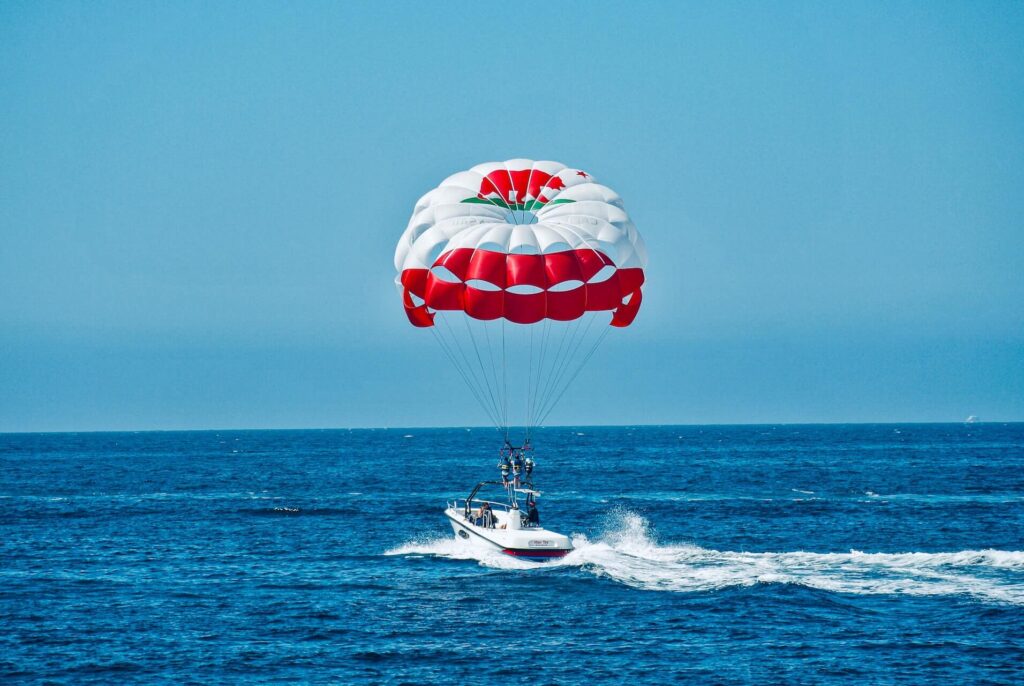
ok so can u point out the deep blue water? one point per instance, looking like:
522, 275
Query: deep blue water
785, 554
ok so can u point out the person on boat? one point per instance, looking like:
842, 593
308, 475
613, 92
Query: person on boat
528, 466
532, 516
517, 469
486, 516
504, 467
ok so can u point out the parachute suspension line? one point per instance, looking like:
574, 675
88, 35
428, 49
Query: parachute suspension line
469, 372
483, 381
536, 376
571, 353
553, 357
529, 381
494, 375
561, 355
541, 354
479, 380
579, 367
546, 376
504, 380
465, 379
458, 368
558, 371
567, 370
574, 344
529, 387
483, 370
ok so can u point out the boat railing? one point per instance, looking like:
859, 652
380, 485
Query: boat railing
461, 504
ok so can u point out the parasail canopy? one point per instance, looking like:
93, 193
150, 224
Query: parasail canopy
531, 244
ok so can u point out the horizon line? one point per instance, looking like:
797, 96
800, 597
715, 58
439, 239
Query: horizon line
492, 428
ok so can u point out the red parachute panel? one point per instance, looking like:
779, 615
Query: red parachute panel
620, 294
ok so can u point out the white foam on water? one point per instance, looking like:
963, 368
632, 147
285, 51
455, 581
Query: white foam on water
627, 552
454, 548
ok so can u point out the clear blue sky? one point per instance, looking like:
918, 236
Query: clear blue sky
199, 204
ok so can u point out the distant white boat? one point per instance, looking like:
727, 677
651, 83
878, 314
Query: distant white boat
971, 420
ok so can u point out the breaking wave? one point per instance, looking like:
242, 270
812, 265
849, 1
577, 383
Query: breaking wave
628, 553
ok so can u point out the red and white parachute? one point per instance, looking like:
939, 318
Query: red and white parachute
539, 245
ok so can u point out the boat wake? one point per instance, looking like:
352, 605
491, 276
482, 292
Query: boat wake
628, 553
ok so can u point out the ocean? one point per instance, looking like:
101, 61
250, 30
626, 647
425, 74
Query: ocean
881, 554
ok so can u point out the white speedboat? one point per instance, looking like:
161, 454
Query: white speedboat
502, 526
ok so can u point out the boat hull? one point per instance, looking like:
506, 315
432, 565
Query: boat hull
535, 545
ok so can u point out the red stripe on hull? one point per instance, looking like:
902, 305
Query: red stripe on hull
535, 553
